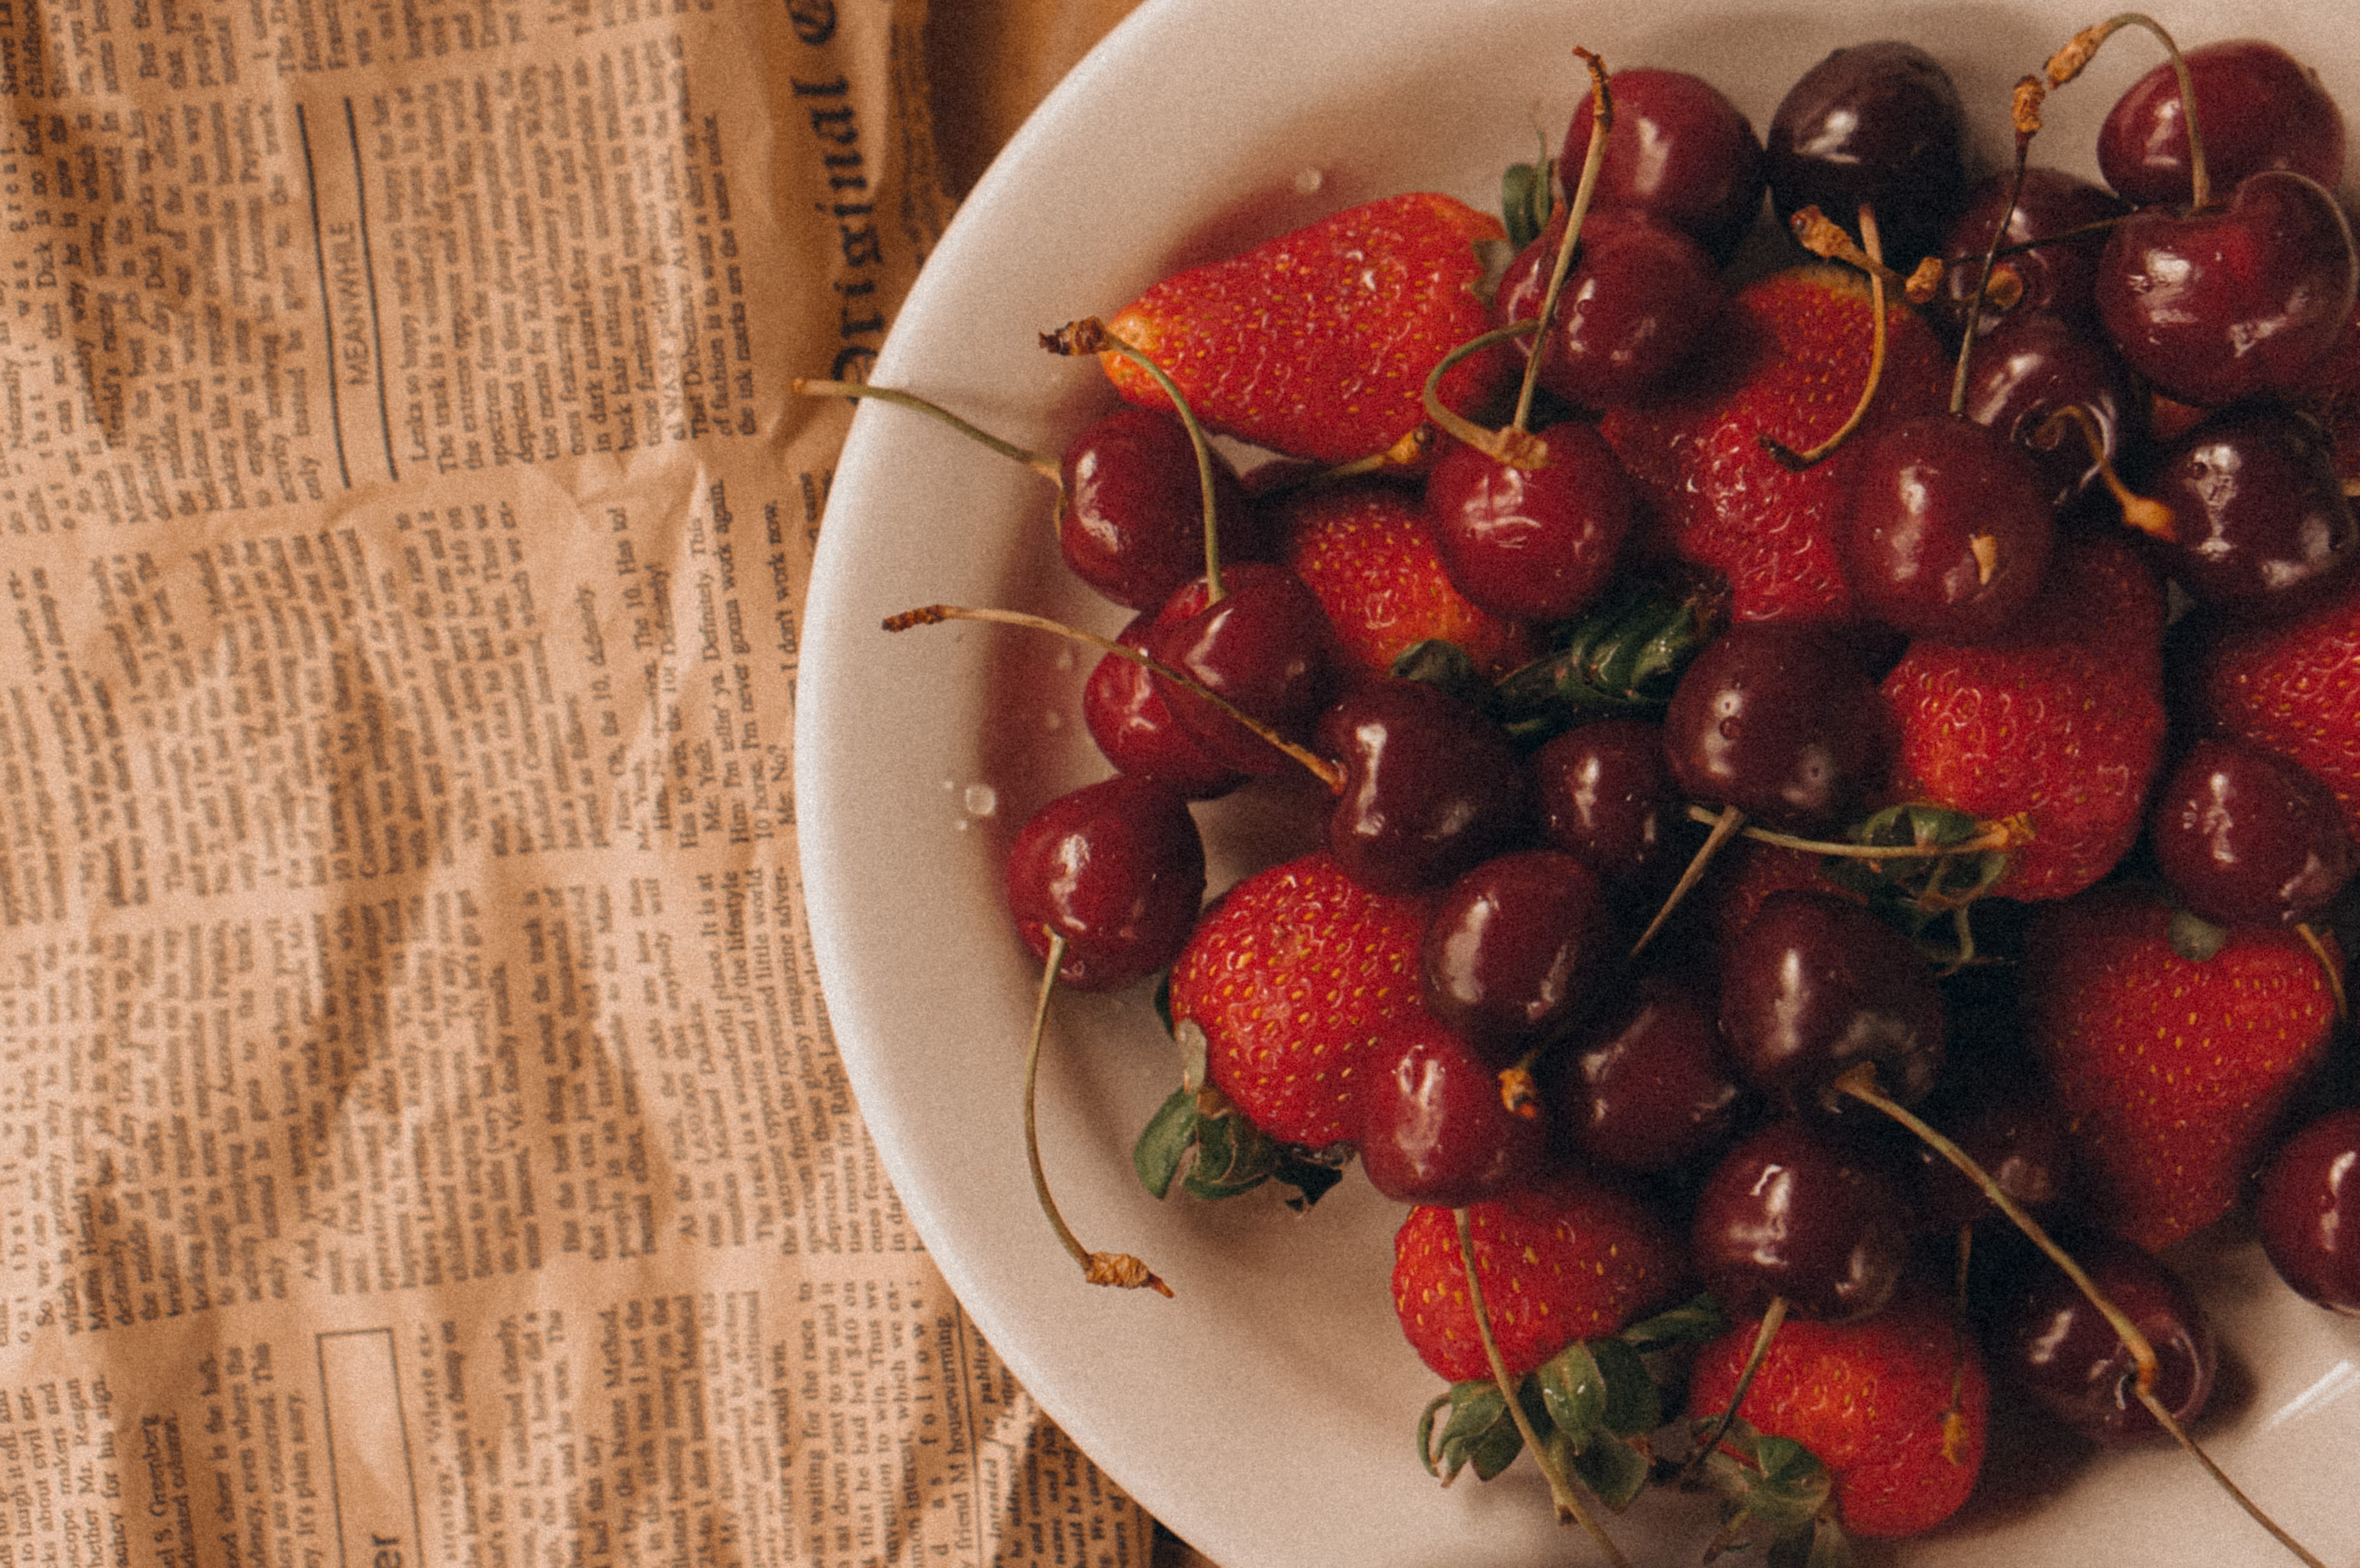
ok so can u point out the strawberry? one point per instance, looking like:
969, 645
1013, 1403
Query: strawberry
1572, 1259
1872, 1398
2061, 723
2295, 690
1788, 358
1367, 552
1291, 977
2173, 1070
1319, 342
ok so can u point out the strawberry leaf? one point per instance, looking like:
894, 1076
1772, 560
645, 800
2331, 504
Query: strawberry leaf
1614, 1470
1480, 1432
1524, 201
2195, 938
1197, 1129
1694, 1322
1443, 664
1626, 655
1632, 1409
1166, 1142
1573, 1391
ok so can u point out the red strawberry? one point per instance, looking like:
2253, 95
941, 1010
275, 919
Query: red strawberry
1873, 1399
1319, 342
2174, 1071
1291, 975
2295, 690
1570, 1259
1366, 550
2061, 723
1789, 355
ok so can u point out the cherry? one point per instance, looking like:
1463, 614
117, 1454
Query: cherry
1794, 1214
1116, 868
1264, 645
2230, 302
1433, 1127
1124, 708
1531, 543
1133, 522
1638, 300
2259, 519
1605, 797
2245, 835
2308, 1209
1815, 984
1680, 152
1430, 785
2056, 275
2256, 107
1879, 125
1949, 531
1513, 949
2006, 1119
2046, 1333
1779, 722
1652, 1090
2032, 364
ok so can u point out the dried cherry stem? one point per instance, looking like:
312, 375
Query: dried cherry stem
1601, 121
2151, 518
2166, 1419
1119, 1269
1994, 836
2328, 965
1775, 1316
1090, 335
1561, 1490
1510, 444
1328, 773
1519, 1094
1797, 461
1724, 828
2026, 115
1825, 238
2067, 63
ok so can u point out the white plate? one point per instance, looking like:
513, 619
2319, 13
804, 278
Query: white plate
1267, 1413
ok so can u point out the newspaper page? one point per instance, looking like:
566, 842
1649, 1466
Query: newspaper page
422, 1141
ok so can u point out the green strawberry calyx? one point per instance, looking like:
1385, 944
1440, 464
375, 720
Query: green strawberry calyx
1224, 1153
1776, 1493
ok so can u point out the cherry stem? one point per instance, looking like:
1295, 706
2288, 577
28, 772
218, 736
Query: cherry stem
2067, 63
2151, 518
1511, 444
1994, 836
1724, 828
1327, 772
1601, 121
1046, 467
1119, 1269
1771, 1321
1561, 1492
1090, 335
2166, 1419
1797, 461
2027, 122
2327, 963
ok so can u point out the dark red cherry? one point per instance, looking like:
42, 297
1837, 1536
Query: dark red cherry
1679, 151
1636, 301
1133, 526
1605, 796
2308, 1207
1265, 647
1814, 985
1431, 787
1652, 1090
1124, 708
1880, 124
2256, 107
1514, 950
2033, 363
1949, 531
2258, 513
2058, 275
1794, 1212
1531, 543
1434, 1128
1778, 721
2235, 302
2008, 1120
1115, 868
2052, 1340
2244, 835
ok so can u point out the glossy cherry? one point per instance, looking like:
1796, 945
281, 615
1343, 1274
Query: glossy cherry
1264, 646
2033, 363
2258, 107
1794, 1212
2056, 275
2260, 517
1133, 525
1433, 1127
1117, 869
2047, 1336
1949, 529
1638, 299
2309, 1208
1605, 796
2245, 835
1430, 787
2007, 1118
1680, 152
1514, 950
1534, 543
1816, 985
1878, 124
1650, 1091
1779, 722
1124, 708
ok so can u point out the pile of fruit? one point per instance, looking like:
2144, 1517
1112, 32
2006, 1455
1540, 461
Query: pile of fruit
1842, 777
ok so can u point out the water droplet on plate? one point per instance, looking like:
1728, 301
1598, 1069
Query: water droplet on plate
1308, 182
981, 800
